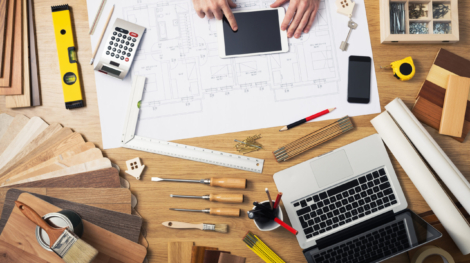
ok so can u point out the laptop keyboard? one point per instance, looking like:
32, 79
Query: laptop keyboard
368, 248
343, 204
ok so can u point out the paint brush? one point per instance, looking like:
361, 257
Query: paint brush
221, 228
63, 242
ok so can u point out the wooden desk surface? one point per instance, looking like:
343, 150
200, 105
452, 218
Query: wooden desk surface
154, 199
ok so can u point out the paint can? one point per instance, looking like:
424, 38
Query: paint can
64, 218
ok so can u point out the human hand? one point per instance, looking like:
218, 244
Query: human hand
301, 12
217, 9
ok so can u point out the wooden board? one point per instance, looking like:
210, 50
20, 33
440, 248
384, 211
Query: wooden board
15, 127
84, 167
110, 220
47, 167
20, 231
103, 178
30, 131
5, 121
5, 75
53, 129
3, 24
15, 86
23, 100
180, 252
455, 106
34, 77
12, 254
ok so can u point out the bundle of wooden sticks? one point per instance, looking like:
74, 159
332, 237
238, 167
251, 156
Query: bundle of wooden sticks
313, 139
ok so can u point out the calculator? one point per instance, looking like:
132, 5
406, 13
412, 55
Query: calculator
120, 49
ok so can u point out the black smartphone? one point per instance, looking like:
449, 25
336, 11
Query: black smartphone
359, 79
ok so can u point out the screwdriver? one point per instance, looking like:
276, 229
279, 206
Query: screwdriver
214, 181
214, 211
223, 198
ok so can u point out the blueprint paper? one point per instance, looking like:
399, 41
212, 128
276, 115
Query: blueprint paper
191, 92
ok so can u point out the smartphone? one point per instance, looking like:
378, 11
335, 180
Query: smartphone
359, 79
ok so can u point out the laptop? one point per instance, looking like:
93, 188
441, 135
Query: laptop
348, 206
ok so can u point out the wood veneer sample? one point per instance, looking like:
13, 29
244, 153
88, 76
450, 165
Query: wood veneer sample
198, 252
5, 121
23, 100
5, 75
15, 126
111, 220
12, 254
34, 76
455, 106
15, 86
180, 252
3, 22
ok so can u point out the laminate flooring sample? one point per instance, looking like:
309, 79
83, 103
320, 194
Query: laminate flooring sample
5, 121
15, 127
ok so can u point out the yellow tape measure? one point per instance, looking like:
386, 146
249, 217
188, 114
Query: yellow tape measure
403, 69
67, 57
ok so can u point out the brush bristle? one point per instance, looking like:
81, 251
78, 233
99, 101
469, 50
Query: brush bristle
221, 228
80, 252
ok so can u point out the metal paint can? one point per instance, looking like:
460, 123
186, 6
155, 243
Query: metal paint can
64, 218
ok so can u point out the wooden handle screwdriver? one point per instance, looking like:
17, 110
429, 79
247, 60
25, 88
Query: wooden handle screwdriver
236, 183
222, 198
214, 211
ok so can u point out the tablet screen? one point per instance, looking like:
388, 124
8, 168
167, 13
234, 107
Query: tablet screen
258, 31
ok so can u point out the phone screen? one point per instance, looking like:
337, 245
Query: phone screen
359, 79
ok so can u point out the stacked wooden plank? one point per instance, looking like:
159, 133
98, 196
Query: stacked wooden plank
18, 64
51, 168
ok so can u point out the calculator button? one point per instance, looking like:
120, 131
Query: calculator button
109, 47
127, 42
114, 33
119, 35
111, 42
122, 57
130, 49
112, 54
132, 44
127, 59
117, 40
128, 54
123, 53
116, 44
132, 34
122, 41
133, 40
120, 46
129, 38
107, 52
124, 37
125, 48
113, 38
114, 49
119, 51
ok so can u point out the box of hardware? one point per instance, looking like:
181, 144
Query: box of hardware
419, 21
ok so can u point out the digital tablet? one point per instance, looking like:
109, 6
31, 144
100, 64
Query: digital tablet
259, 32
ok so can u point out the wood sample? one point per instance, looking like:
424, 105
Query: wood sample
5, 121
84, 167
41, 138
115, 199
34, 76
103, 178
111, 247
30, 131
5, 76
180, 252
198, 252
15, 126
455, 106
3, 20
434, 89
110, 220
23, 100
15, 86
12, 254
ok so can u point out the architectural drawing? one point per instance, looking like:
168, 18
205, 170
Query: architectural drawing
179, 57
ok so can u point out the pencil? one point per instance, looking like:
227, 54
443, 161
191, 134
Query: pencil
302, 121
269, 198
278, 199
101, 37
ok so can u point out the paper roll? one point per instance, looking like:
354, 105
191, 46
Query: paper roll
424, 180
422, 253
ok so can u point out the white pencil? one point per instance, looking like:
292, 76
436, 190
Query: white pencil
101, 37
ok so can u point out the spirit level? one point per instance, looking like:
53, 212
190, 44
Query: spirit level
67, 57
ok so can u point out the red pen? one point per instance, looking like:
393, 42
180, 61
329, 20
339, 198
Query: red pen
286, 226
278, 199
302, 121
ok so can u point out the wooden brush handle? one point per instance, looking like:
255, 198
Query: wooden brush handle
229, 182
226, 198
174, 224
53, 233
225, 212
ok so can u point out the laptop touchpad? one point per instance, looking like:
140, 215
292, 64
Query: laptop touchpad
331, 168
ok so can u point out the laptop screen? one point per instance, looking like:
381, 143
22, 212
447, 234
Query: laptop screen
374, 240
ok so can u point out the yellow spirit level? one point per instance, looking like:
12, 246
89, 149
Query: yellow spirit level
67, 57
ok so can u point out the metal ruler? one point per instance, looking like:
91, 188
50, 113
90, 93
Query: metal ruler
131, 141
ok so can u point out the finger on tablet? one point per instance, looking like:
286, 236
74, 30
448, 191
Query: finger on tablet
232, 4
278, 3
230, 17
289, 15
312, 19
218, 14
303, 23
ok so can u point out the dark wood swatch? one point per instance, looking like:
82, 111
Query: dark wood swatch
453, 63
33, 63
124, 225
198, 252
104, 178
3, 23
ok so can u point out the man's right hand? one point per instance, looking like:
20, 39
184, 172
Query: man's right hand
217, 9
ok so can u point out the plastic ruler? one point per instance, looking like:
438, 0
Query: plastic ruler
131, 141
